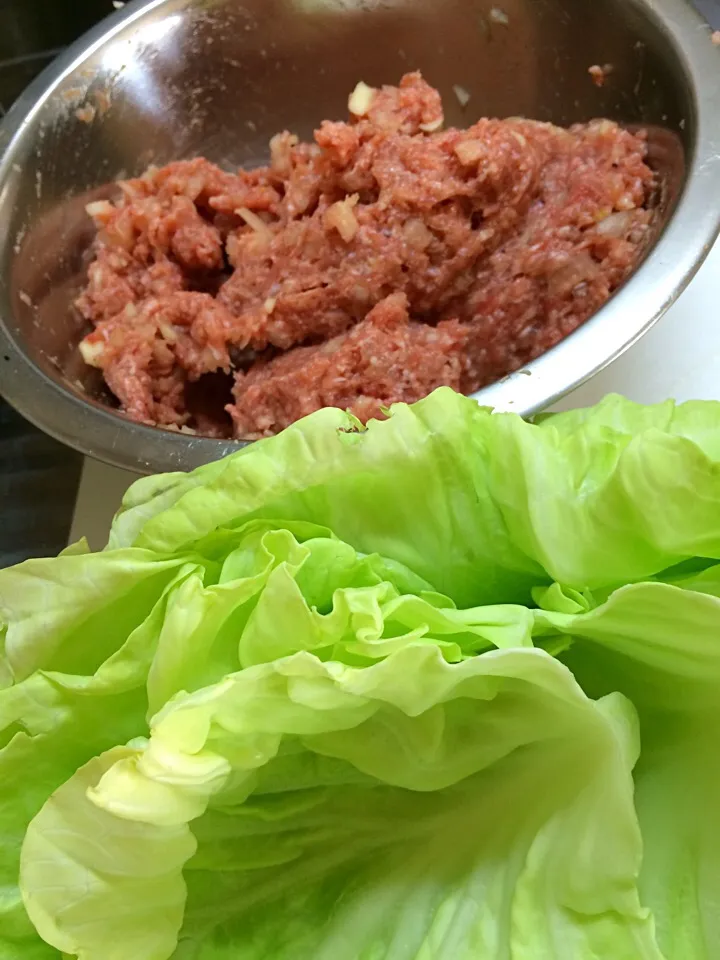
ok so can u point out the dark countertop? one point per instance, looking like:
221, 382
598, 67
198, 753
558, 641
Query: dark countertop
38, 484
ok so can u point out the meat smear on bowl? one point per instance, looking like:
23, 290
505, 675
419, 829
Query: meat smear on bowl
387, 258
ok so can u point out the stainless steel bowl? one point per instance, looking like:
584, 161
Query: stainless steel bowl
176, 78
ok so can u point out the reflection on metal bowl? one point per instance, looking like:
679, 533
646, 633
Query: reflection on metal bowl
178, 78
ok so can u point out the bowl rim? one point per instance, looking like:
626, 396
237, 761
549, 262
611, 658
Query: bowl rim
670, 265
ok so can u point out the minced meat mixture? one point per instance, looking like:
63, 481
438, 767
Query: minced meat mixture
388, 257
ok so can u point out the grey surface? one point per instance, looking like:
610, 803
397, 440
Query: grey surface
187, 78
710, 9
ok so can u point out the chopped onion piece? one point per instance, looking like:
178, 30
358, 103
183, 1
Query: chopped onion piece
499, 16
92, 352
120, 232
417, 234
625, 202
570, 272
168, 332
99, 209
195, 186
469, 151
281, 153
86, 113
462, 94
254, 221
129, 188
361, 99
616, 225
340, 216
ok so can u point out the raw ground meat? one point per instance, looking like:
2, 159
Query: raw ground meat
385, 259
382, 359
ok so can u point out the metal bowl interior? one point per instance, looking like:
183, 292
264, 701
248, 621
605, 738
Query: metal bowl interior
177, 78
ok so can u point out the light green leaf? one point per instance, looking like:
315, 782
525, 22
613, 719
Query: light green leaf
696, 420
356, 751
660, 646
407, 490
483, 506
276, 596
52, 722
68, 613
409, 810
139, 865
